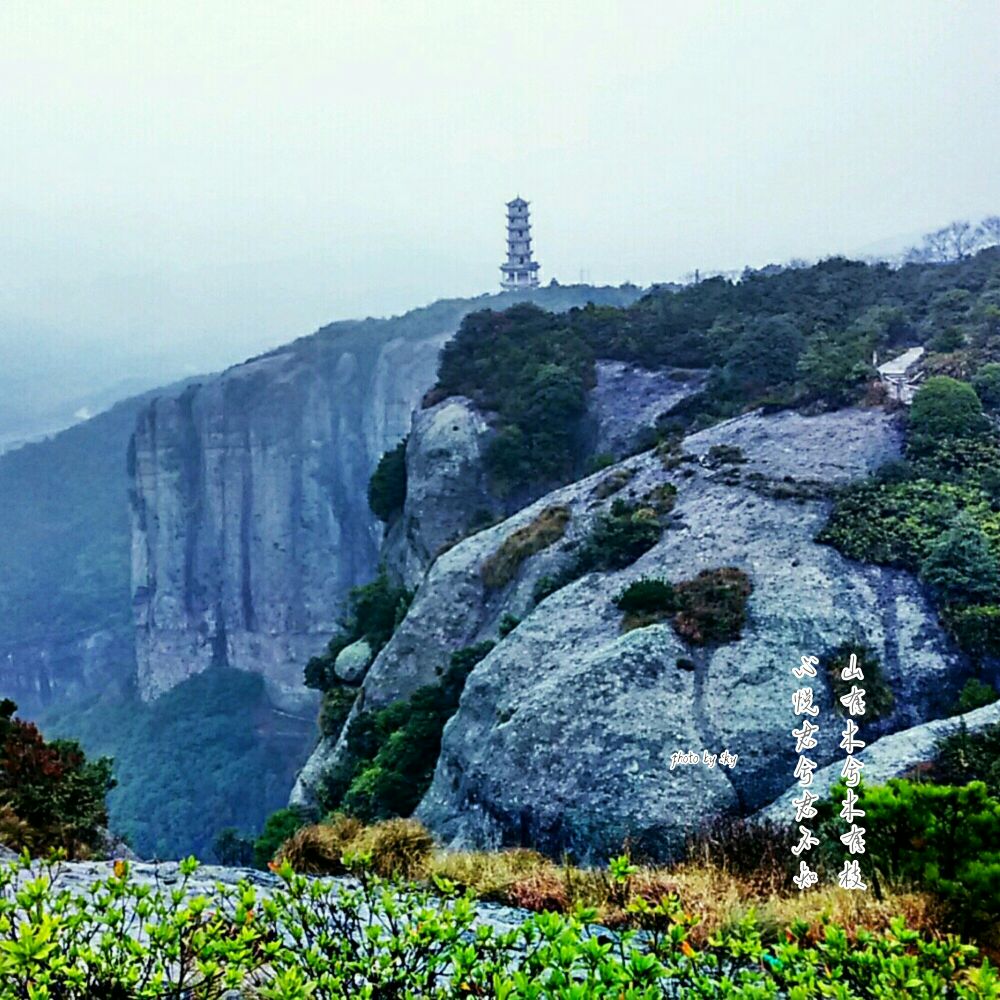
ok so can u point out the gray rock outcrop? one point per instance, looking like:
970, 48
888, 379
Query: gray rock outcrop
891, 756
250, 519
446, 486
565, 730
352, 662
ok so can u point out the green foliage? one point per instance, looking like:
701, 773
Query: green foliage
961, 567
711, 607
374, 610
976, 628
387, 486
764, 357
647, 596
51, 796
532, 369
942, 838
278, 827
392, 751
963, 756
879, 698
944, 408
897, 524
976, 694
233, 848
210, 753
986, 383
507, 625
318, 939
833, 369
618, 538
335, 708
779, 335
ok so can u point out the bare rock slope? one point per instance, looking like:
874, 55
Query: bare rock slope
565, 731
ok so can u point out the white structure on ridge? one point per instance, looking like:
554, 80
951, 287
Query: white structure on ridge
520, 271
901, 377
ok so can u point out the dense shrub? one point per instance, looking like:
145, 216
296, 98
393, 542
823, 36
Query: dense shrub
937, 514
618, 538
233, 848
963, 756
647, 595
392, 751
879, 698
278, 827
317, 939
986, 382
546, 529
374, 610
51, 796
387, 486
944, 408
976, 628
335, 708
943, 838
976, 694
961, 567
533, 370
712, 606
897, 523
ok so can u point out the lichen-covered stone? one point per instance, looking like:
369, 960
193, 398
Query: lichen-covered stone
565, 730
352, 661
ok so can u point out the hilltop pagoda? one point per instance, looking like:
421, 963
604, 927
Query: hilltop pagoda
520, 271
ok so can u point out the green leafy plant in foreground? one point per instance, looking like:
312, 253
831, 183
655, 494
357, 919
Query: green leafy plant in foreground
366, 937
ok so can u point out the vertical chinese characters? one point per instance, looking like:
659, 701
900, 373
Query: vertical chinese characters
805, 739
853, 840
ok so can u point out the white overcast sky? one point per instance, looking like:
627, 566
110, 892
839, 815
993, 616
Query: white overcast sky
197, 181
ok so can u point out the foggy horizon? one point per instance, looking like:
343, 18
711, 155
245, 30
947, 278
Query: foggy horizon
186, 187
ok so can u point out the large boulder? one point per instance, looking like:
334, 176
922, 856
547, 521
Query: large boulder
352, 661
565, 731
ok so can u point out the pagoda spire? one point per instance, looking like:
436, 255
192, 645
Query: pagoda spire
519, 271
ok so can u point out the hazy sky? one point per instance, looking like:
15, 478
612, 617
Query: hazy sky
192, 182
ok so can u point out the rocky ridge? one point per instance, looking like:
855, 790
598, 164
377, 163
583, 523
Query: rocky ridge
249, 514
565, 730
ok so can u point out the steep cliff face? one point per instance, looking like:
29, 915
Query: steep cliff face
250, 512
65, 623
249, 494
565, 730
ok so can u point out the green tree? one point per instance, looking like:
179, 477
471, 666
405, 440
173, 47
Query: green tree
278, 827
233, 848
946, 407
387, 486
986, 382
961, 567
53, 796
832, 370
764, 356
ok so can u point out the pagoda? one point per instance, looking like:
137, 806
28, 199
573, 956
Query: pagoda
520, 271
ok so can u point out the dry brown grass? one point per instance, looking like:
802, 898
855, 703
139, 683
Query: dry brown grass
612, 483
548, 527
318, 849
709, 888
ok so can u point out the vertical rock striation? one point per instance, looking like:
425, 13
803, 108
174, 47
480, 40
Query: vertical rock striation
250, 519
